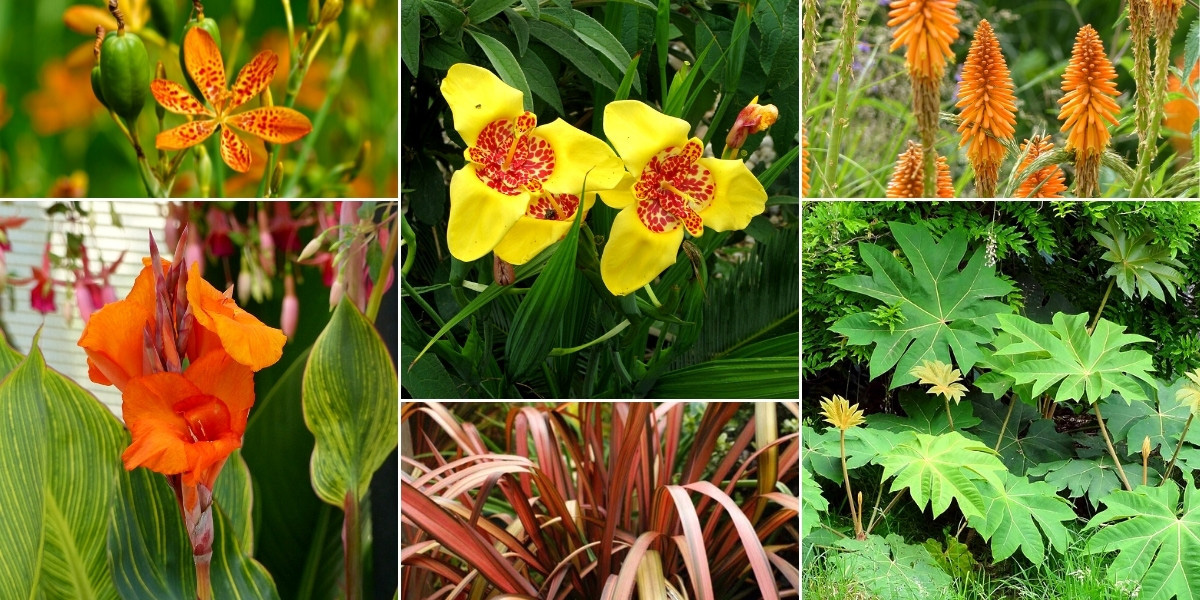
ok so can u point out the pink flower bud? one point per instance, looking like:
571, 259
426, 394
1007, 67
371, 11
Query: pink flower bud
753, 119
41, 297
290, 314
266, 244
194, 251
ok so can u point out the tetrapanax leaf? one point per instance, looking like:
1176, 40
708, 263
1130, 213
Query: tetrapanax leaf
995, 382
1094, 477
1088, 367
1014, 515
1189, 394
926, 414
1137, 264
813, 503
816, 456
864, 445
945, 309
1028, 438
891, 569
1157, 542
1160, 417
938, 469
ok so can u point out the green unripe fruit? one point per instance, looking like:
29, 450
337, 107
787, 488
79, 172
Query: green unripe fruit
210, 26
96, 86
124, 74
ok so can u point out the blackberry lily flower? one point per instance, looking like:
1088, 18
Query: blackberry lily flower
673, 189
520, 188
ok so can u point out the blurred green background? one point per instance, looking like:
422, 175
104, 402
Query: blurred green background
56, 139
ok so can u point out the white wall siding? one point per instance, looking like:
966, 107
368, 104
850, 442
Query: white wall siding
61, 331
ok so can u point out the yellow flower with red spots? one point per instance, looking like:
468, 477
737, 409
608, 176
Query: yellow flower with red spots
202, 57
673, 189
520, 188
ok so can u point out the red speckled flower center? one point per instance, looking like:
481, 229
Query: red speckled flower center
673, 188
553, 207
509, 158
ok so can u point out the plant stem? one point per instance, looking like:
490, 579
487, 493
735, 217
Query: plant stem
1175, 454
1011, 402
1103, 301
352, 545
891, 504
389, 257
203, 582
854, 515
410, 240
1148, 149
949, 416
1108, 442
849, 34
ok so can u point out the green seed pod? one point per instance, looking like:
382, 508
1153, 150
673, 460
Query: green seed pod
124, 70
207, 24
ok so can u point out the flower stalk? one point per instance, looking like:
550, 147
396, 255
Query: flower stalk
839, 122
1165, 15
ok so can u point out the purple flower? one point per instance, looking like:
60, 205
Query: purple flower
957, 82
884, 2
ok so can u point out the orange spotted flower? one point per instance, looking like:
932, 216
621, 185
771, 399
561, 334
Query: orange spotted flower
908, 178
927, 27
1033, 186
520, 189
275, 124
988, 105
1090, 83
674, 189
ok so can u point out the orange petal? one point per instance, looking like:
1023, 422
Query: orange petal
274, 124
159, 434
185, 136
218, 374
244, 337
253, 77
176, 99
234, 151
112, 337
204, 64
83, 19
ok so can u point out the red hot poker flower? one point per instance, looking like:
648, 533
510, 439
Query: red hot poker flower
988, 107
1033, 187
1090, 83
927, 27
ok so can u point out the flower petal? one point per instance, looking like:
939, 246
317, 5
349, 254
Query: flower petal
634, 255
638, 132
218, 374
738, 197
578, 154
159, 434
256, 75
84, 19
243, 336
175, 98
275, 124
204, 64
185, 136
234, 151
477, 97
621, 195
480, 216
530, 235
112, 337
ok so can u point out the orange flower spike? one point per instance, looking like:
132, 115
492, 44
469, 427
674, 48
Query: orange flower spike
1090, 83
275, 124
227, 326
988, 107
1179, 114
945, 184
908, 178
1051, 175
927, 27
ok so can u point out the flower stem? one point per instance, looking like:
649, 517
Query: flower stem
1148, 149
389, 257
352, 545
203, 582
1175, 454
1008, 415
854, 514
653, 298
1103, 301
833, 152
949, 415
1108, 442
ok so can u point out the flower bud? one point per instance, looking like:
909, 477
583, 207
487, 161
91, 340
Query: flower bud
753, 119
266, 243
314, 11
290, 313
330, 11
312, 247
204, 171
245, 280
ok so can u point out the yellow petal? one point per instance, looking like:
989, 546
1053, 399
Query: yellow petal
738, 198
477, 97
479, 216
634, 255
575, 154
83, 19
622, 194
529, 236
638, 132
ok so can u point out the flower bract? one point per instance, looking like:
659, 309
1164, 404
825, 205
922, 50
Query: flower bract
673, 188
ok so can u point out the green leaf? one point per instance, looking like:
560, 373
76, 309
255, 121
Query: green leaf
1191, 49
779, 23
815, 455
1094, 478
520, 29
865, 445
236, 498
1160, 417
533, 7
147, 548
595, 35
1139, 265
1157, 542
926, 414
482, 10
944, 308
733, 378
449, 18
891, 569
1014, 514
410, 27
24, 459
543, 309
505, 63
1028, 438
994, 381
349, 395
541, 81
573, 50
1085, 367
813, 503
427, 378
943, 468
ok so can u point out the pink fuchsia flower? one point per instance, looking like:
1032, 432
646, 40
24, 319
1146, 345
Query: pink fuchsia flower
290, 314
41, 297
93, 291
217, 241
5, 224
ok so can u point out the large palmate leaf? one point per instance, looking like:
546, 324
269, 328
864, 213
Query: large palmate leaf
942, 468
926, 414
994, 381
1089, 367
1157, 542
864, 445
1137, 264
819, 453
1094, 478
891, 569
943, 308
1160, 417
1028, 439
813, 503
1014, 514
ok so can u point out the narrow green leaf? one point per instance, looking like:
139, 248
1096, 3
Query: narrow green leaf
533, 8
573, 50
349, 395
541, 81
520, 28
482, 10
235, 497
23, 462
630, 78
770, 377
505, 63
595, 35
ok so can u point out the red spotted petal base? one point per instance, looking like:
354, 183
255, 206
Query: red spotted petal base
673, 188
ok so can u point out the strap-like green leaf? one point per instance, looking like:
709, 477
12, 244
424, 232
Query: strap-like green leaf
23, 462
349, 395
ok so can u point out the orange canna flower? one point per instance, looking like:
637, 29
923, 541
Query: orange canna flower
1090, 83
113, 337
927, 27
275, 124
908, 178
805, 173
988, 106
1033, 187
1179, 114
187, 424
225, 325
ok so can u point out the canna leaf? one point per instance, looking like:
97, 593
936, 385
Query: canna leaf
1019, 514
944, 308
1156, 540
940, 469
